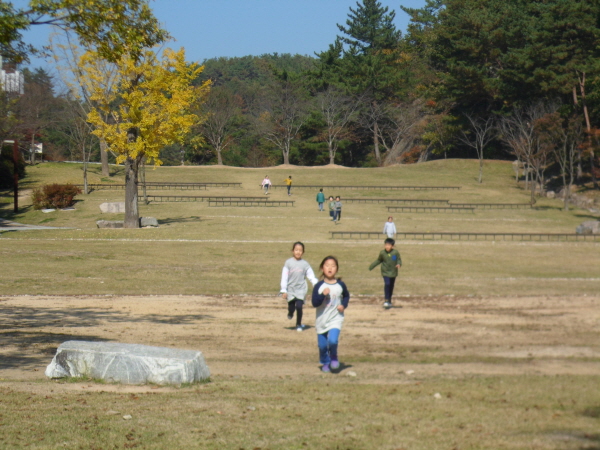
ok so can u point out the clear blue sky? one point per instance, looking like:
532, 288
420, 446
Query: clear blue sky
208, 29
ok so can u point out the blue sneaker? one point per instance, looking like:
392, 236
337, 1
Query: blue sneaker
325, 368
335, 364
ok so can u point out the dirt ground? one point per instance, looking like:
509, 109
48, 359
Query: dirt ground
247, 336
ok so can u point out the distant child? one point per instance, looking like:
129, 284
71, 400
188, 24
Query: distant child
266, 184
389, 229
330, 296
293, 283
288, 182
338, 208
320, 199
390, 261
332, 208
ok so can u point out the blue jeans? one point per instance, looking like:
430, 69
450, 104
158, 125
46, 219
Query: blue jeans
388, 287
328, 344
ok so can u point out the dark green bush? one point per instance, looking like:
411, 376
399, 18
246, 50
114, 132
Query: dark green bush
54, 196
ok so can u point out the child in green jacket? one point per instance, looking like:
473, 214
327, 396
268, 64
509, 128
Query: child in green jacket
390, 261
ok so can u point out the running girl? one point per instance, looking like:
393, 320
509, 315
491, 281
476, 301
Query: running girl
293, 283
330, 297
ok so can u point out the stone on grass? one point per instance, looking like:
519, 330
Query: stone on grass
127, 363
113, 207
109, 223
148, 222
589, 227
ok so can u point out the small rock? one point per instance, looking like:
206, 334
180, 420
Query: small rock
409, 372
112, 413
109, 224
49, 210
351, 374
251, 408
148, 222
437, 395
127, 417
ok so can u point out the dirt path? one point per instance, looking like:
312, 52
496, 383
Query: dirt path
243, 336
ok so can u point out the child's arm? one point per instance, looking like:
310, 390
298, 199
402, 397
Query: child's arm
284, 281
318, 299
375, 263
311, 276
345, 297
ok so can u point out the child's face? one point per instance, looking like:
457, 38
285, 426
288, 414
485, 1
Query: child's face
337, 198
298, 252
388, 247
390, 219
329, 268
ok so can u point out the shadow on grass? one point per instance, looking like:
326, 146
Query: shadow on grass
26, 339
23, 324
169, 220
587, 216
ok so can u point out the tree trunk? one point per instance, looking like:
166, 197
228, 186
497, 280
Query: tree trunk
85, 180
481, 169
376, 143
104, 158
132, 215
143, 176
219, 157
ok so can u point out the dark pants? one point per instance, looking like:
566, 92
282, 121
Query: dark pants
338, 214
289, 188
296, 305
388, 287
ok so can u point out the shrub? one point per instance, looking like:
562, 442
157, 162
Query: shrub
54, 196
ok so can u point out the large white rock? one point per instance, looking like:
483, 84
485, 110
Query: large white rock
127, 363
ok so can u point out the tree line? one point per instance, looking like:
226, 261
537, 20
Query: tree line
511, 79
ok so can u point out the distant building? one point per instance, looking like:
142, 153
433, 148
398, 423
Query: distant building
11, 80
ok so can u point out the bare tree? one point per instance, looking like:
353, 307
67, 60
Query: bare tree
220, 108
69, 57
478, 136
563, 137
519, 133
400, 130
281, 113
338, 110
79, 134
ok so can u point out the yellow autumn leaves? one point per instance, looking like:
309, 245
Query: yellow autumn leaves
153, 96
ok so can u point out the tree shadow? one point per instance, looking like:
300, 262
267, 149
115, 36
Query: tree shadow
35, 347
170, 220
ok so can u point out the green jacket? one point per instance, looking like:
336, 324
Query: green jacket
388, 262
321, 197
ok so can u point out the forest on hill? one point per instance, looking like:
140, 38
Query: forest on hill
500, 79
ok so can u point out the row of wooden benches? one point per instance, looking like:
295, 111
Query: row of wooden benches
204, 185
427, 205
463, 236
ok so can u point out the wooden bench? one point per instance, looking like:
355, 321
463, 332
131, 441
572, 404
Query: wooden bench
492, 205
182, 185
250, 203
366, 188
405, 201
199, 198
99, 187
463, 236
421, 209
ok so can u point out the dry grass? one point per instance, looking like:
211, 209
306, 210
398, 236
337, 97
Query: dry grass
226, 250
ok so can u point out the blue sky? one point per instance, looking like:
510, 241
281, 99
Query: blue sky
208, 29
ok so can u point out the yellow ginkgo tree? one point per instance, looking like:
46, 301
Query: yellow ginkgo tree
150, 109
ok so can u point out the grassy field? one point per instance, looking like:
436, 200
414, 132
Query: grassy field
497, 345
227, 250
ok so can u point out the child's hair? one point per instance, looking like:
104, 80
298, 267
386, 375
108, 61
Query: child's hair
338, 198
390, 218
389, 241
331, 197
298, 243
321, 190
290, 177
